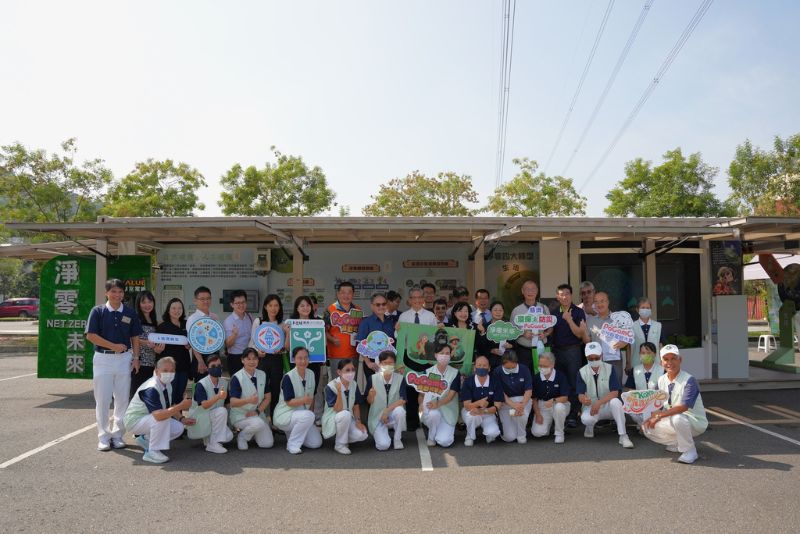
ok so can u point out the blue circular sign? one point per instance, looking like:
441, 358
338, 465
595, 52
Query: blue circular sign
269, 338
206, 335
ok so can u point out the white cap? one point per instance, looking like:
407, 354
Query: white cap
669, 349
593, 349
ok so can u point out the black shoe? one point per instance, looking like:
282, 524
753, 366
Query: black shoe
572, 422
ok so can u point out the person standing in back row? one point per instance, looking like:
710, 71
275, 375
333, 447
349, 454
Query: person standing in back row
414, 315
569, 334
237, 330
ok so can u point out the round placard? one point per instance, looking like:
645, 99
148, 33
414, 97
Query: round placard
206, 335
269, 338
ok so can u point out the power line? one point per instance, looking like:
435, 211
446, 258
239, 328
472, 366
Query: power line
580, 82
508, 23
687, 32
620, 61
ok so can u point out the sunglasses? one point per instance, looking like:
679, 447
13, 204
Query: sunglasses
379, 304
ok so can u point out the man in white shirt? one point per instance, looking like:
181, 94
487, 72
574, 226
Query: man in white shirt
611, 351
202, 301
417, 314
238, 326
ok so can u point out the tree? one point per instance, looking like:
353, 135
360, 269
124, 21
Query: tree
287, 188
35, 187
536, 195
679, 187
766, 183
156, 189
19, 278
417, 195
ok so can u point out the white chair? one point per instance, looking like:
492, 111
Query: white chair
766, 343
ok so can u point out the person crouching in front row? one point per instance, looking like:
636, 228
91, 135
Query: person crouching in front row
482, 396
152, 415
250, 398
440, 414
342, 416
551, 399
387, 398
209, 412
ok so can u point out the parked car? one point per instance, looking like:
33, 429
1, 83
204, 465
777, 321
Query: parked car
19, 308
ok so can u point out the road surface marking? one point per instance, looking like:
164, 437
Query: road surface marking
754, 427
14, 377
46, 446
424, 453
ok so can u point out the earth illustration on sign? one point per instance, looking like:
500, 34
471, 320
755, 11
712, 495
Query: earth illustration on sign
375, 343
206, 335
269, 338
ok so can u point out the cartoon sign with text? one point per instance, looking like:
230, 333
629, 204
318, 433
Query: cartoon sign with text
375, 343
428, 383
643, 401
502, 331
536, 319
620, 329
347, 322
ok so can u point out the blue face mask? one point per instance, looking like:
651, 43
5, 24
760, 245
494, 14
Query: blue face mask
482, 372
215, 371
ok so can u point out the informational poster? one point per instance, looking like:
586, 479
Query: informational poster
418, 342
309, 334
508, 267
66, 296
726, 267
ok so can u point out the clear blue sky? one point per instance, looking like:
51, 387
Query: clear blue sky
372, 90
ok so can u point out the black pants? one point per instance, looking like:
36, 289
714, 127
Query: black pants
524, 356
272, 365
233, 362
568, 361
137, 379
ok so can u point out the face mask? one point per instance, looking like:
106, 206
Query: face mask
166, 378
545, 370
511, 371
386, 369
348, 376
481, 372
443, 359
215, 371
648, 359
595, 365
645, 313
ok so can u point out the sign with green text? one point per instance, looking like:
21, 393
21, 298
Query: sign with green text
418, 342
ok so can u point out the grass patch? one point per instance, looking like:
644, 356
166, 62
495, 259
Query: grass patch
20, 341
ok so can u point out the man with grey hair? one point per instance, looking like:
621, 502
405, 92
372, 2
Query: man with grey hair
154, 415
587, 291
416, 314
550, 399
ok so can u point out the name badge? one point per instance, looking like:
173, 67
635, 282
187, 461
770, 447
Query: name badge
522, 380
126, 319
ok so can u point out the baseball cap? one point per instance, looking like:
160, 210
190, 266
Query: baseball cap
593, 349
669, 349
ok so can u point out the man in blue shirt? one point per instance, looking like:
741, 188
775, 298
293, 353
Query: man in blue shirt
114, 330
568, 334
517, 385
550, 399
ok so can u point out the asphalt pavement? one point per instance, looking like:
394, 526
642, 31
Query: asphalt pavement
745, 479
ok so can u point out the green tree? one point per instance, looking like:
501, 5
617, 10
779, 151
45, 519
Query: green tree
766, 182
286, 188
19, 278
679, 187
418, 195
156, 189
536, 195
37, 187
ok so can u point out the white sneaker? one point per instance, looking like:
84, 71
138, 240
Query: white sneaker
103, 446
469, 442
672, 448
118, 443
398, 444
588, 432
431, 442
293, 450
143, 442
156, 457
625, 441
342, 449
522, 439
216, 448
205, 442
241, 443
688, 457
559, 439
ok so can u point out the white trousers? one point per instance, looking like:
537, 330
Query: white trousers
555, 414
438, 429
514, 427
487, 422
158, 433
381, 434
254, 426
301, 431
220, 433
672, 431
111, 379
611, 410
637, 418
346, 429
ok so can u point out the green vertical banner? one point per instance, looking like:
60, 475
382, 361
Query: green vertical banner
66, 296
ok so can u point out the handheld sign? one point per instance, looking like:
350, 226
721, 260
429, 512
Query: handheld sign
619, 329
206, 335
643, 401
502, 331
375, 343
432, 383
269, 338
167, 339
309, 334
536, 319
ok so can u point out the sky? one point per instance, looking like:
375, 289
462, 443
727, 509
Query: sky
371, 90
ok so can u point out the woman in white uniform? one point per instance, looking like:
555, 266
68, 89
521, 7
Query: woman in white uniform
644, 376
440, 412
294, 413
387, 398
209, 412
250, 398
342, 417
481, 395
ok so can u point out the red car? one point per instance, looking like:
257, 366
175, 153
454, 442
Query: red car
19, 308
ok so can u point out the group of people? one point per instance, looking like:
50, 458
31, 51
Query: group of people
541, 382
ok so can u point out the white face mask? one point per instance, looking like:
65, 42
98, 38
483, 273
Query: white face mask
348, 376
386, 369
595, 365
166, 378
443, 359
546, 370
645, 313
511, 371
